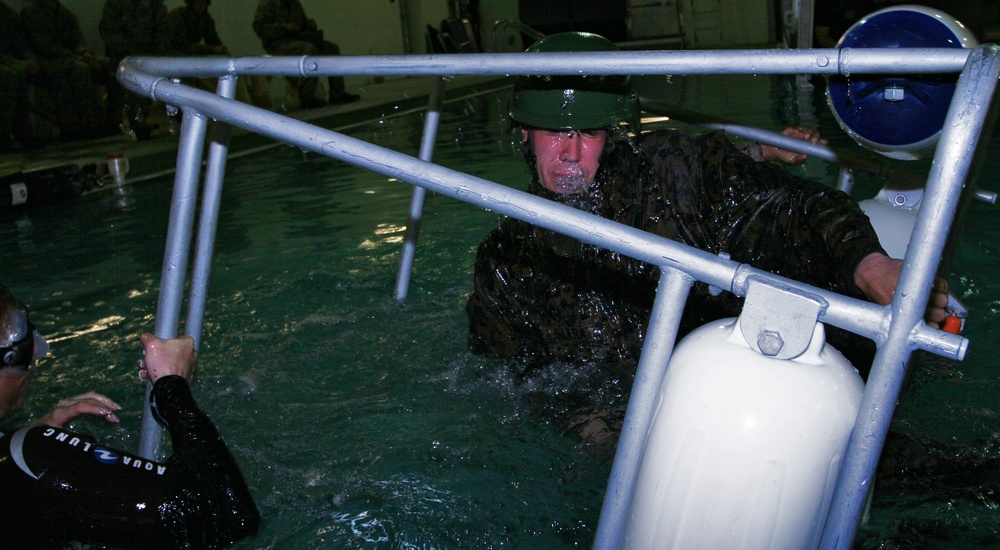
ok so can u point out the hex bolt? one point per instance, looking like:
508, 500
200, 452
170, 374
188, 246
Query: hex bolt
769, 342
893, 93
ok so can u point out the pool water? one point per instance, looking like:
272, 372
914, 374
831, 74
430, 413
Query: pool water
363, 423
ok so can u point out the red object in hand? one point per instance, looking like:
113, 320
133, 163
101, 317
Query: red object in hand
952, 324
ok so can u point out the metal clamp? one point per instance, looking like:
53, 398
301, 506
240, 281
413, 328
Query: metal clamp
778, 320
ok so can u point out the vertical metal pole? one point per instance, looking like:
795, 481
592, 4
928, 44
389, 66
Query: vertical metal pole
952, 162
805, 33
218, 150
845, 180
175, 257
404, 18
804, 39
661, 335
417, 200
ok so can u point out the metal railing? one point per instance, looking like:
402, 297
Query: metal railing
897, 329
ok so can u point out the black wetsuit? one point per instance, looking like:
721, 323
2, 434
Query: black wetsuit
541, 296
57, 486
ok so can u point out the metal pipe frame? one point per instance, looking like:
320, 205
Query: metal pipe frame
671, 294
845, 61
897, 329
427, 140
963, 127
175, 259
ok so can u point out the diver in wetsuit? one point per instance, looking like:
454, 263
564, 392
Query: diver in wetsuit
58, 487
540, 296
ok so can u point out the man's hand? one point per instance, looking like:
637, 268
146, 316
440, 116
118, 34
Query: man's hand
796, 131
937, 304
877, 276
87, 403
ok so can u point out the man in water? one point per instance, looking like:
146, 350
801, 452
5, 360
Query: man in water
540, 296
58, 487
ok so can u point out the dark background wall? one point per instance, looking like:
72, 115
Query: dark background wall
604, 17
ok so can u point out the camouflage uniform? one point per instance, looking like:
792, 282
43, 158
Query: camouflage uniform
131, 27
67, 66
16, 66
191, 33
268, 24
541, 296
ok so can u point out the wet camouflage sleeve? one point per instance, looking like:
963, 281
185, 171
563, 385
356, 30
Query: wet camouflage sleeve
541, 296
719, 200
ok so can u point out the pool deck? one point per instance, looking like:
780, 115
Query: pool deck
156, 156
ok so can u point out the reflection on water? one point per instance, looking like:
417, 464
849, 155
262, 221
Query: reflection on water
364, 423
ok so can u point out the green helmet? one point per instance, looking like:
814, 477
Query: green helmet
571, 101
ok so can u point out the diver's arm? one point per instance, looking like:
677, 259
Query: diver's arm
209, 504
58, 486
73, 489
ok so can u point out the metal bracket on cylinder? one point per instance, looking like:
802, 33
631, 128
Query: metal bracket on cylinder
778, 320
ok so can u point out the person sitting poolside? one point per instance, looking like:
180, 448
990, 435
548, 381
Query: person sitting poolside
72, 75
18, 69
58, 487
540, 296
284, 29
191, 30
131, 27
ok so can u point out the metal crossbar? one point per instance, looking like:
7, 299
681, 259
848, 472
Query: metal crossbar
897, 329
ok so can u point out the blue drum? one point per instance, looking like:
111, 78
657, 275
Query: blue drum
898, 116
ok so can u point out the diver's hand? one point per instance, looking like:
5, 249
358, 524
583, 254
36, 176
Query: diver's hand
167, 357
86, 403
806, 133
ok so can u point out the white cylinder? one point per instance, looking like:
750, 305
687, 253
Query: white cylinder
744, 450
893, 215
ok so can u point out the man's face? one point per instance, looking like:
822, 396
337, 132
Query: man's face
18, 331
567, 160
13, 383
